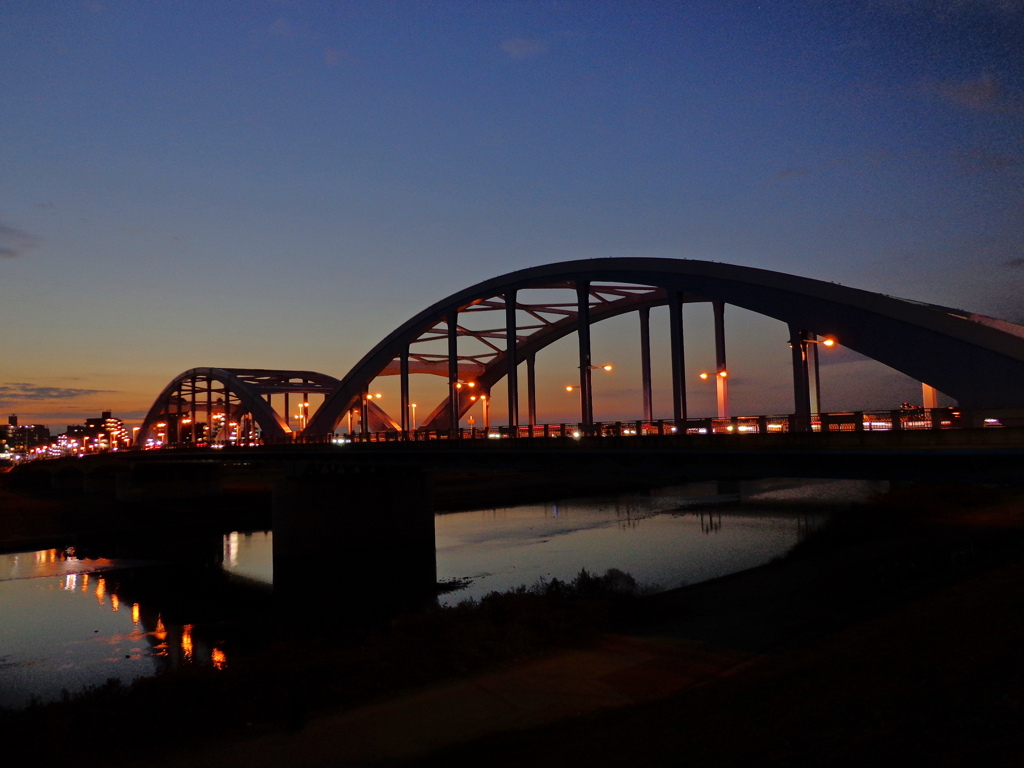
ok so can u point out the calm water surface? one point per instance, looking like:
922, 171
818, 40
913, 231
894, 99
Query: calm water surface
67, 623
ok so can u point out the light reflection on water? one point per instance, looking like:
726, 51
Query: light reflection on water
664, 541
67, 623
66, 626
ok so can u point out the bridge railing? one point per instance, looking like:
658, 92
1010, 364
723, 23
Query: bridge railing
832, 422
847, 421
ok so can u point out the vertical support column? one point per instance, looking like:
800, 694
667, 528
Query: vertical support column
511, 360
403, 374
801, 385
583, 332
178, 397
929, 395
675, 315
721, 371
193, 415
531, 390
364, 409
453, 371
815, 391
645, 363
287, 411
209, 411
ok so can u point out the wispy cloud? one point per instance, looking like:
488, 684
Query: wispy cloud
984, 93
523, 48
949, 9
984, 160
14, 242
22, 391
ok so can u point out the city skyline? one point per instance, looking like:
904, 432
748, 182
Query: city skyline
281, 184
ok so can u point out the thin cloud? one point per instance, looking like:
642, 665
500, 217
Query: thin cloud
982, 160
522, 48
1017, 263
984, 93
792, 173
22, 391
14, 242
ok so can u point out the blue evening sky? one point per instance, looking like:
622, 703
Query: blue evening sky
280, 184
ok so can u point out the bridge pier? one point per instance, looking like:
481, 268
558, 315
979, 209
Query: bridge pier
351, 543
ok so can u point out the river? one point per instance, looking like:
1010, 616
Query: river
67, 623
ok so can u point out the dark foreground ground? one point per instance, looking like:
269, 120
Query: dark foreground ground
894, 637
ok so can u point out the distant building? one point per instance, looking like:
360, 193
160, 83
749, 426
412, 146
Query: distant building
101, 434
18, 439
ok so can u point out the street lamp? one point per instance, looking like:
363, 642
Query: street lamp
486, 404
412, 407
365, 415
827, 341
303, 413
721, 390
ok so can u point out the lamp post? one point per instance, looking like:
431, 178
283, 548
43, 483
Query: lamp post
412, 407
485, 403
799, 341
828, 341
365, 415
721, 391
456, 398
585, 372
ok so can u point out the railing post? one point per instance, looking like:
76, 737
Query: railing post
896, 417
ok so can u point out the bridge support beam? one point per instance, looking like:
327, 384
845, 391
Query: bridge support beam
645, 362
454, 403
531, 390
583, 332
721, 370
403, 372
675, 316
801, 381
350, 543
511, 359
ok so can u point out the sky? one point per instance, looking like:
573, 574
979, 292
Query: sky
279, 184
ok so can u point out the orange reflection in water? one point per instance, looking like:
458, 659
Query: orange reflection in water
101, 590
160, 635
115, 601
218, 659
186, 641
135, 612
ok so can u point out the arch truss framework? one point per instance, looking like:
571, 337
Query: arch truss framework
484, 333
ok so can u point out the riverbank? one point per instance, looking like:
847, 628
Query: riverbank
896, 637
893, 633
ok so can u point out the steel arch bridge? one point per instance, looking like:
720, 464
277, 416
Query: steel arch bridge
976, 360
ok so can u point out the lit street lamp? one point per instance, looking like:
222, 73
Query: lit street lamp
721, 391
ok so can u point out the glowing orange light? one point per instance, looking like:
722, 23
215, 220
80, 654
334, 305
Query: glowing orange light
704, 375
186, 641
606, 367
829, 341
723, 374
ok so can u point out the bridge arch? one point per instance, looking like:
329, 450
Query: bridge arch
978, 361
236, 403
